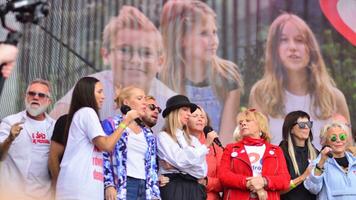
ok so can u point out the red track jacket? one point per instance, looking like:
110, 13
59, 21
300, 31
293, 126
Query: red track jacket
236, 167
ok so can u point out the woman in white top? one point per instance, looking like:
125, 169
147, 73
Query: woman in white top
183, 154
81, 173
295, 78
130, 170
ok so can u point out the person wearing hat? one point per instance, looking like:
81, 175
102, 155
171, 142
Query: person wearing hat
184, 154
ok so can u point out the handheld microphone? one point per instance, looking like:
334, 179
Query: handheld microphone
124, 109
208, 129
329, 154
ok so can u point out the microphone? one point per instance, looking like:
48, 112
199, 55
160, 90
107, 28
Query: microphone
208, 129
329, 154
124, 109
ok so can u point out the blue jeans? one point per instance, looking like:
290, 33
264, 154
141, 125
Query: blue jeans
136, 189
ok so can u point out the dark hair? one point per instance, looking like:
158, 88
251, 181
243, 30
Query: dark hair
83, 96
290, 120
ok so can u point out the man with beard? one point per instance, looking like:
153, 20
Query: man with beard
24, 146
152, 112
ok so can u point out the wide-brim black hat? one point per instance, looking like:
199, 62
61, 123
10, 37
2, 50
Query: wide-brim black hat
177, 102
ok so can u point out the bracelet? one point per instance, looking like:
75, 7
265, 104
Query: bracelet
123, 125
321, 169
292, 185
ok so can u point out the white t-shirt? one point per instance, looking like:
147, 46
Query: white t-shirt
81, 173
136, 150
24, 170
294, 103
255, 154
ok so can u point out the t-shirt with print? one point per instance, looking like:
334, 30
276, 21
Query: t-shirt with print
81, 174
255, 154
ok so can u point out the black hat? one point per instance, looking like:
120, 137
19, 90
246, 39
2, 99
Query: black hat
176, 102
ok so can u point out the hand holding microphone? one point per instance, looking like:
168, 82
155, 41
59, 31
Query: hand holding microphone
326, 150
212, 136
132, 115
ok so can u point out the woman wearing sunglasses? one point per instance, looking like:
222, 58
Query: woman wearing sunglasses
298, 150
334, 176
130, 170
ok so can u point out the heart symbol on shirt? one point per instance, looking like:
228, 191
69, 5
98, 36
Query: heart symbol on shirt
342, 15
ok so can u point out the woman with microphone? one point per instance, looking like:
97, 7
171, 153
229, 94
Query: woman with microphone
184, 153
198, 126
333, 176
130, 171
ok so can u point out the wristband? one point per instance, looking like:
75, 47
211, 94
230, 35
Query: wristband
123, 125
321, 169
292, 185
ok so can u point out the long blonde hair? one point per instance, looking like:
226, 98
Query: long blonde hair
177, 19
269, 91
172, 123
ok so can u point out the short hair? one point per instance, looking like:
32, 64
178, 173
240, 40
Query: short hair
149, 97
125, 93
130, 18
43, 82
325, 129
260, 118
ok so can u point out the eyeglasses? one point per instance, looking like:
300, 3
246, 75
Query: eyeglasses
308, 124
342, 137
153, 107
127, 52
39, 94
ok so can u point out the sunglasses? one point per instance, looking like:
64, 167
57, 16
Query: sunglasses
308, 124
342, 137
152, 107
39, 94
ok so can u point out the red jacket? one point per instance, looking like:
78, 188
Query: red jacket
213, 160
236, 167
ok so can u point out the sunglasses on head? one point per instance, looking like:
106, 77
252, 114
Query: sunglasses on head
308, 124
342, 137
39, 94
153, 107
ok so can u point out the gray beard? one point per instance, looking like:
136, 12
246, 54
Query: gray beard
35, 111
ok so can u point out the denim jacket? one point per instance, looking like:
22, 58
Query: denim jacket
333, 183
115, 161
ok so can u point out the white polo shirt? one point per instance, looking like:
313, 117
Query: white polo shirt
24, 171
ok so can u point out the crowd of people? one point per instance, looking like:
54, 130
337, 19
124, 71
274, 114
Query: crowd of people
113, 140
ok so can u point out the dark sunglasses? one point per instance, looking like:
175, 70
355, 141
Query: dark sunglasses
305, 124
39, 94
153, 107
342, 137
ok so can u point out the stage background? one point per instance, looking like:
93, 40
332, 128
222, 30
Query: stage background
242, 24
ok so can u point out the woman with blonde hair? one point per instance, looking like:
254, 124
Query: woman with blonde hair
252, 168
130, 170
192, 67
295, 78
184, 154
333, 176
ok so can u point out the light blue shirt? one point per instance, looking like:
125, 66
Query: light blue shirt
333, 183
